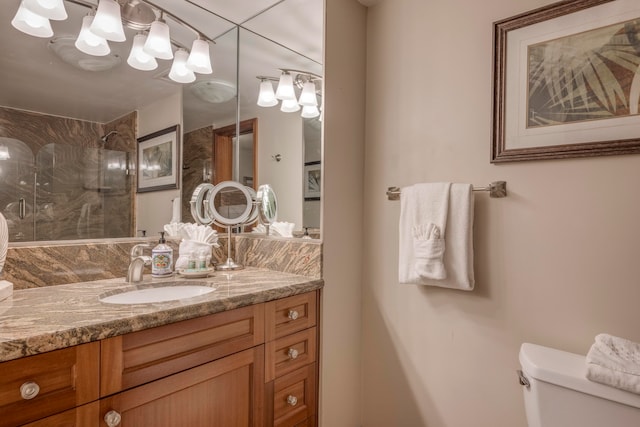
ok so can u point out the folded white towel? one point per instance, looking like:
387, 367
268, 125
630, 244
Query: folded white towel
614, 361
278, 229
427, 210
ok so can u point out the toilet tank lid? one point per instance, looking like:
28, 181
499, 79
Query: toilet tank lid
568, 370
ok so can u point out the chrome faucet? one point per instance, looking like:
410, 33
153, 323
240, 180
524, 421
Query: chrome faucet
137, 263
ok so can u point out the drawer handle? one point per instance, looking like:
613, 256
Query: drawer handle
292, 400
29, 390
292, 353
293, 314
112, 418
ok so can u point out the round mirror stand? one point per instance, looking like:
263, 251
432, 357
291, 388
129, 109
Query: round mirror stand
230, 204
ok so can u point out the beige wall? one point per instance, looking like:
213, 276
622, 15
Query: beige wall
154, 209
342, 213
556, 262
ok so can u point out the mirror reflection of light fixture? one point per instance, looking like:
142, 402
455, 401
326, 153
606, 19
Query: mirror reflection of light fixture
199, 59
267, 97
285, 87
158, 42
179, 71
90, 43
289, 106
50, 9
138, 58
308, 99
31, 23
108, 22
4, 152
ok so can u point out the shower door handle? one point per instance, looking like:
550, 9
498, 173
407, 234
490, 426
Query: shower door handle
22, 208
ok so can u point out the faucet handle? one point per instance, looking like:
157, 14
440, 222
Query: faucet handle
138, 250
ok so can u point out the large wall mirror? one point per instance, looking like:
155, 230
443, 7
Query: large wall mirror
69, 122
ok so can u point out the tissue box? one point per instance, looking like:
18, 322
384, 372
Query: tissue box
6, 289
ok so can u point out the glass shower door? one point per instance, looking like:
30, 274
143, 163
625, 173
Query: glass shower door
17, 188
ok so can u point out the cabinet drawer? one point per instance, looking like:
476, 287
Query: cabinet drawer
140, 357
294, 397
82, 416
288, 315
63, 379
290, 353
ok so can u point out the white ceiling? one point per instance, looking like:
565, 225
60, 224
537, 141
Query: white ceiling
35, 79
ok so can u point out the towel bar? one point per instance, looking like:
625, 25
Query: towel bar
496, 189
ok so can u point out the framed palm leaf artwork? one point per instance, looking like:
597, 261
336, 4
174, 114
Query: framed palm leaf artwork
567, 81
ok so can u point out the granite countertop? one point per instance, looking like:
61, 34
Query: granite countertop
38, 320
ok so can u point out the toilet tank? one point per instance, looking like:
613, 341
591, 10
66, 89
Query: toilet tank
559, 394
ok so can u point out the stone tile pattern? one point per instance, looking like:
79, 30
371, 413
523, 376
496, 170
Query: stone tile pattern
62, 192
197, 151
38, 320
296, 256
41, 266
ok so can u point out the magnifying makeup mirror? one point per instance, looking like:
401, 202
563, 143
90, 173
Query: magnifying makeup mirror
267, 206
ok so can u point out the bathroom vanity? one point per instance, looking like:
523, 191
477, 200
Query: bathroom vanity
243, 355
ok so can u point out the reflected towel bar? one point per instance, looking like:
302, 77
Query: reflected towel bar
496, 189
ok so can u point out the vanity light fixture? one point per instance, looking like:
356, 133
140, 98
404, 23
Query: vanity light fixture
138, 58
179, 71
199, 59
108, 22
267, 97
31, 23
90, 43
308, 99
285, 87
289, 106
158, 42
50, 9
4, 152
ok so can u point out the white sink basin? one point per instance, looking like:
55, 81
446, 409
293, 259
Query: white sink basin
157, 294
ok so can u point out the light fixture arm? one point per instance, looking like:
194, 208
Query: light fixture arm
162, 11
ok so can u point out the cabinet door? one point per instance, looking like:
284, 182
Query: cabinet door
227, 392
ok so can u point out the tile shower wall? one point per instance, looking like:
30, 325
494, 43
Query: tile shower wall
85, 186
197, 152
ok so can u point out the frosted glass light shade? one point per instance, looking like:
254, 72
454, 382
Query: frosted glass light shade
289, 106
50, 9
88, 42
138, 58
199, 60
308, 95
179, 71
267, 98
107, 22
158, 42
285, 87
310, 111
31, 23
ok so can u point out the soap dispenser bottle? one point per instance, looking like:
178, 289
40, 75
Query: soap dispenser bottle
162, 258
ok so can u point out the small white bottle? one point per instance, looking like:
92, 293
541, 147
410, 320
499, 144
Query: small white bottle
162, 258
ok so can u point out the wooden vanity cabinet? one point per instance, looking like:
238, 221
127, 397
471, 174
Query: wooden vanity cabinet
38, 386
251, 366
291, 354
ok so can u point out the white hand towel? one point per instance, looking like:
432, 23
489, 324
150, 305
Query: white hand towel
423, 204
615, 362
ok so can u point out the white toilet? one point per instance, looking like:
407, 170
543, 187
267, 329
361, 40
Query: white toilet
557, 393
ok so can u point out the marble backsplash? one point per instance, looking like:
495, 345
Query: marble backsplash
70, 262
